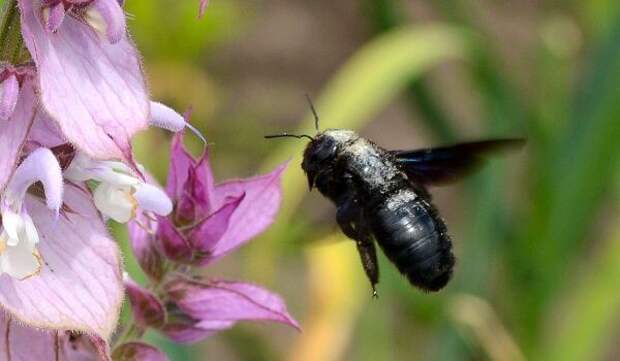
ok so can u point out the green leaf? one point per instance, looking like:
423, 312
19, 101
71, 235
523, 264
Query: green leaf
591, 310
571, 179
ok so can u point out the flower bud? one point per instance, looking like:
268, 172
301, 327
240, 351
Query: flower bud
148, 310
132, 351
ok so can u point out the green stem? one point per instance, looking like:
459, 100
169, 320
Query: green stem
131, 333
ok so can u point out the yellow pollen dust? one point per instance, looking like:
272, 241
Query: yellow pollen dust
134, 203
40, 261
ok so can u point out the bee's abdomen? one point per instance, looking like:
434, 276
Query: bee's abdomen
414, 238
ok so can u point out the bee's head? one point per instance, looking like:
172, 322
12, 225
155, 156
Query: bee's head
323, 148
321, 152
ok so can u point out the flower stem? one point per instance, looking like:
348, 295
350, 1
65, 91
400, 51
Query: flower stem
133, 332
11, 42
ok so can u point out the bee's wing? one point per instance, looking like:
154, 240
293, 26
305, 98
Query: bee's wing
449, 163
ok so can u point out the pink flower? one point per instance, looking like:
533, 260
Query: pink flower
223, 216
60, 269
209, 221
89, 73
66, 123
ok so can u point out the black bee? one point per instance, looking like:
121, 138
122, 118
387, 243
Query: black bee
381, 196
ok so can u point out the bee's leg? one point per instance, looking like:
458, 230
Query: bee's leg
368, 254
350, 219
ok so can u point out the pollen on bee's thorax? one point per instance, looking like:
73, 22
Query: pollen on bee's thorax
341, 135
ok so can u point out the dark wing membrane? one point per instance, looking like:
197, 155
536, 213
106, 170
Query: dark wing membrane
449, 163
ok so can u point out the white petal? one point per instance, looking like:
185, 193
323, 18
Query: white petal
78, 170
165, 117
151, 198
108, 175
20, 262
12, 224
115, 202
29, 232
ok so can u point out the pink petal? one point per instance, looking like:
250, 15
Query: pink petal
13, 133
182, 333
80, 287
108, 16
142, 238
228, 301
203, 8
53, 16
172, 242
181, 164
9, 93
208, 232
138, 351
44, 131
194, 202
256, 212
94, 90
147, 309
22, 343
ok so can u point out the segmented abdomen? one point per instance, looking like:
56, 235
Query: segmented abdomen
414, 238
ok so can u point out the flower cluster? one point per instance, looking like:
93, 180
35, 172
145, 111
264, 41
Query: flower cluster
72, 96
208, 222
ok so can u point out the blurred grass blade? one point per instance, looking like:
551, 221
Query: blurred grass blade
338, 291
489, 332
572, 177
366, 84
590, 311
383, 16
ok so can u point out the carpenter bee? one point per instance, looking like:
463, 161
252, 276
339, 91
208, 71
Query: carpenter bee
381, 195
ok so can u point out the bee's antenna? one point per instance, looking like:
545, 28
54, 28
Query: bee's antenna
316, 115
288, 135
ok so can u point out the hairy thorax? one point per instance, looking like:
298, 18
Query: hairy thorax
369, 164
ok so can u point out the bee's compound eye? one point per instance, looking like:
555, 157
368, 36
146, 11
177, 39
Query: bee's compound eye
325, 150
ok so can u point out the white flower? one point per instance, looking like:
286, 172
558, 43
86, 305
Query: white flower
118, 193
19, 256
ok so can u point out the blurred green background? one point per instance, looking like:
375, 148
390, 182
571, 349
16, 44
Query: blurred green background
536, 233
